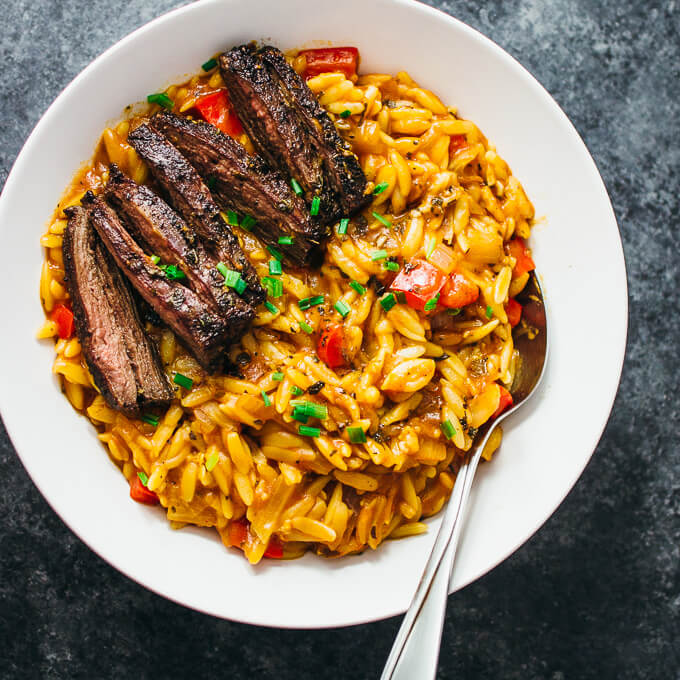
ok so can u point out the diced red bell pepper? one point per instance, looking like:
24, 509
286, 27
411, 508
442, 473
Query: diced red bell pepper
238, 533
216, 109
330, 345
514, 311
326, 59
274, 550
63, 317
504, 403
419, 281
139, 493
517, 248
459, 291
457, 142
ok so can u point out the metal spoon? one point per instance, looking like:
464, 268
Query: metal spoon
415, 652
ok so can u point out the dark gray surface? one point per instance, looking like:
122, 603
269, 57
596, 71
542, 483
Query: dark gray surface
596, 593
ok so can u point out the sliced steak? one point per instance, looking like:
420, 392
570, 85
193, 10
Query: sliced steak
205, 333
245, 184
184, 189
291, 131
123, 360
154, 224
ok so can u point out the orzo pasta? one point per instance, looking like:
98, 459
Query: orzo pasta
349, 402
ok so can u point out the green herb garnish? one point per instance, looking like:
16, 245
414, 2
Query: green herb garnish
162, 99
342, 227
296, 187
356, 435
278, 376
143, 478
306, 327
275, 267
150, 419
383, 220
183, 381
271, 307
314, 208
345, 114
209, 65
388, 302
265, 398
285, 240
377, 255
448, 429
248, 222
342, 308
432, 303
212, 461
379, 188
307, 431
357, 287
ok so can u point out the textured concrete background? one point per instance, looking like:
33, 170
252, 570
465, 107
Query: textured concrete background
596, 594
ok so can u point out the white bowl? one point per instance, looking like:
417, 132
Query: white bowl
547, 444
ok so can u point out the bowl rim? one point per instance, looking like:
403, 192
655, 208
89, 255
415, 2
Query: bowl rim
14, 428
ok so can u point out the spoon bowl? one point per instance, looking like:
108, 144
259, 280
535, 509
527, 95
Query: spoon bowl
415, 651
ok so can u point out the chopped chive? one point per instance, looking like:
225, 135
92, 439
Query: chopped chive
155, 259
296, 187
271, 307
295, 390
285, 240
173, 272
342, 308
314, 208
275, 253
274, 286
231, 277
388, 302
183, 381
378, 255
209, 65
211, 181
454, 312
278, 376
358, 287
300, 415
345, 114
306, 303
431, 245
150, 419
309, 431
143, 478
232, 218
240, 286
383, 220
248, 222
275, 267
266, 399
356, 435
212, 461
318, 411
489, 311
391, 266
297, 402
379, 188
448, 429
223, 269
431, 303
306, 327
401, 297
342, 227
162, 99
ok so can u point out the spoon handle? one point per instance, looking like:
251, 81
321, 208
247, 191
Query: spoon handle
415, 650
